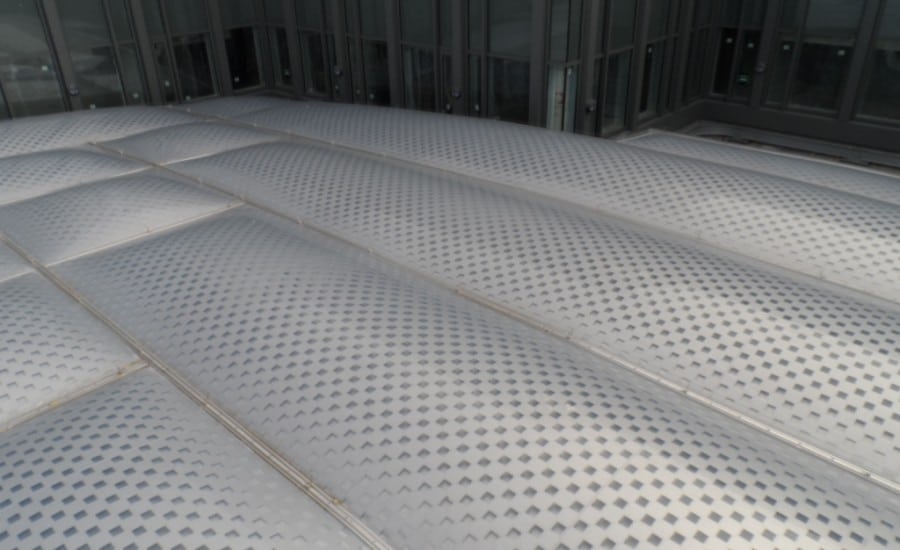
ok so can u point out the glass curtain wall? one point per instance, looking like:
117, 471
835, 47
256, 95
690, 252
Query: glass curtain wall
881, 97
662, 33
366, 24
701, 24
243, 28
276, 32
612, 63
29, 80
812, 56
425, 41
499, 58
314, 23
742, 22
563, 55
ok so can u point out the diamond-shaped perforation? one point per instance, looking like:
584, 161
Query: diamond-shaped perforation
32, 175
795, 356
137, 465
852, 180
45, 132
843, 238
50, 347
186, 141
234, 106
444, 425
90, 216
11, 264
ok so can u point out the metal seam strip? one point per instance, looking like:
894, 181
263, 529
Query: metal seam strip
328, 502
671, 234
599, 351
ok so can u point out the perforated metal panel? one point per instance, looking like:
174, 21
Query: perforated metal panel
852, 180
26, 176
40, 133
187, 141
442, 424
137, 465
50, 347
74, 221
843, 238
234, 106
11, 265
794, 356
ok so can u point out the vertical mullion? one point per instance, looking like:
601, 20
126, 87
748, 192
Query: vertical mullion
684, 39
59, 51
145, 50
292, 33
795, 58
395, 58
459, 60
865, 40
114, 44
767, 41
263, 44
540, 12
591, 22
214, 13
639, 57
711, 54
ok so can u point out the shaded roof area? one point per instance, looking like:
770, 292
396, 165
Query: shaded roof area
258, 322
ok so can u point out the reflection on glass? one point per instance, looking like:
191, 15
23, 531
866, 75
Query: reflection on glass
186, 16
621, 18
372, 17
375, 67
616, 93
562, 83
416, 21
243, 57
508, 90
882, 97
315, 68
820, 73
833, 16
27, 74
510, 26
98, 80
282, 57
195, 74
778, 78
419, 79
120, 16
164, 69
84, 23
132, 75
724, 62
747, 64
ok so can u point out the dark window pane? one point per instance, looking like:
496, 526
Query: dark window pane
510, 29
658, 18
375, 65
186, 16
446, 22
372, 16
621, 25
121, 20
274, 12
238, 13
778, 78
26, 70
562, 83
889, 27
792, 14
418, 79
508, 90
754, 13
417, 21
474, 85
724, 62
84, 23
132, 74
281, 57
315, 66
309, 14
834, 16
883, 94
731, 13
745, 74
702, 12
694, 75
446, 96
153, 18
3, 112
192, 64
476, 24
820, 72
653, 69
164, 69
98, 80
616, 96
243, 60
559, 30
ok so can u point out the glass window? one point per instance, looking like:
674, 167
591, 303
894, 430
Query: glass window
882, 97
653, 69
446, 22
238, 13
778, 78
153, 18
820, 72
164, 69
186, 16
84, 23
792, 14
615, 101
3, 112
243, 57
419, 79
309, 14
658, 17
621, 16
372, 15
743, 80
474, 107
274, 12
834, 16
731, 13
132, 74
702, 12
476, 24
195, 74
508, 82
315, 68
27, 74
510, 27
565, 30
725, 60
755, 13
281, 57
417, 21
121, 20
694, 76
562, 82
90, 49
375, 66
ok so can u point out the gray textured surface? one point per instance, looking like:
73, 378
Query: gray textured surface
185, 141
844, 178
442, 424
731, 332
50, 348
137, 465
842, 238
40, 133
84, 218
11, 264
234, 106
31, 175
